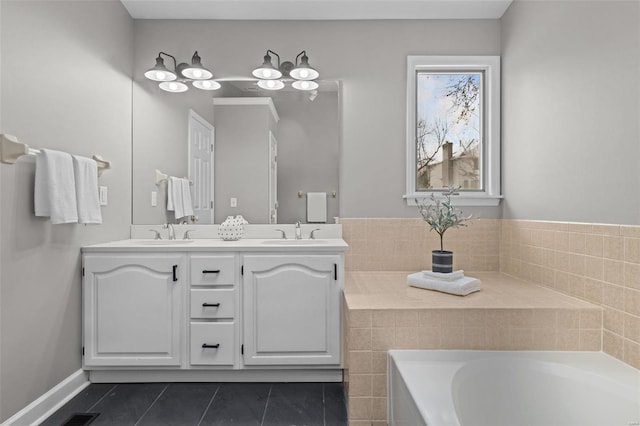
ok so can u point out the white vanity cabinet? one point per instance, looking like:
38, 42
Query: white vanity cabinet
292, 309
133, 309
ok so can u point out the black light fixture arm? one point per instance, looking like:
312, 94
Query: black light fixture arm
303, 54
175, 63
274, 53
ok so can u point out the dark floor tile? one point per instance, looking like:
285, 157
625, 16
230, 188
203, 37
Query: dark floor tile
335, 408
125, 405
238, 404
181, 404
79, 403
295, 404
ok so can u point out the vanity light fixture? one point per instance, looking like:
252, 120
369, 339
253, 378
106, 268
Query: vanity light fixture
300, 74
176, 81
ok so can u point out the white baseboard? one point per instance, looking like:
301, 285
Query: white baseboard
43, 407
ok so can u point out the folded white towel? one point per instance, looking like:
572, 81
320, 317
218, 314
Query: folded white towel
55, 188
459, 287
170, 202
317, 207
86, 175
451, 276
187, 206
174, 196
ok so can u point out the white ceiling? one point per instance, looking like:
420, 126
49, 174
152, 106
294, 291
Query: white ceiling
316, 9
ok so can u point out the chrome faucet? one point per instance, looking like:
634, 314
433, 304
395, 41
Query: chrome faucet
172, 232
298, 231
312, 236
283, 235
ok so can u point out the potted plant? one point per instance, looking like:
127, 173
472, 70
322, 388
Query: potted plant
441, 215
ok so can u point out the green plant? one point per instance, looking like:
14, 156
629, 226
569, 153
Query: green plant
441, 215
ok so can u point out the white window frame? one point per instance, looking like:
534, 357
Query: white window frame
490, 65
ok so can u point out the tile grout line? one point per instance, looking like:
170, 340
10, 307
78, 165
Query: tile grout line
101, 398
152, 404
324, 407
204, 413
264, 413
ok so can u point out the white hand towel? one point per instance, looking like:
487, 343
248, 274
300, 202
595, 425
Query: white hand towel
451, 276
55, 188
316, 207
86, 175
459, 287
187, 206
174, 196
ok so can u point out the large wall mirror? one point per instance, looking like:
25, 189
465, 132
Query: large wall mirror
308, 148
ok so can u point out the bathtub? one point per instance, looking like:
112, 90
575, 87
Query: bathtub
500, 388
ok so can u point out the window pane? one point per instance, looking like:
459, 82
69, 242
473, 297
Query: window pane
449, 138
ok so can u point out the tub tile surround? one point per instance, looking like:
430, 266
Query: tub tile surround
554, 286
593, 262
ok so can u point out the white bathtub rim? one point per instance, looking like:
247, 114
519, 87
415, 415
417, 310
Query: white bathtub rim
446, 363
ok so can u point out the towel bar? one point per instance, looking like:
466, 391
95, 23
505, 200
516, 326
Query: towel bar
11, 150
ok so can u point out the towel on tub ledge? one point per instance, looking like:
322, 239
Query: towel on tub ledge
460, 287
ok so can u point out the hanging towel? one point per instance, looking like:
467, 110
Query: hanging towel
86, 175
459, 287
187, 206
174, 196
55, 188
316, 207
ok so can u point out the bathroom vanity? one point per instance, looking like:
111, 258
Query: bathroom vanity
207, 309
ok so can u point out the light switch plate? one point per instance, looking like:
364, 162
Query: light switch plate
103, 195
154, 198
234, 202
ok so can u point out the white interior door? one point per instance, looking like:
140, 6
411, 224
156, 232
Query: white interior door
201, 144
273, 179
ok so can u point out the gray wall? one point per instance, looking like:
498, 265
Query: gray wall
80, 104
308, 153
570, 111
370, 59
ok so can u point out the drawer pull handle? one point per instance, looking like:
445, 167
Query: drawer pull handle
207, 305
206, 346
175, 273
211, 271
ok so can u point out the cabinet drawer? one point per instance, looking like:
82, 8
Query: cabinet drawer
212, 333
224, 298
212, 270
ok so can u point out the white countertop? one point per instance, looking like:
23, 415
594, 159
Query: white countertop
216, 244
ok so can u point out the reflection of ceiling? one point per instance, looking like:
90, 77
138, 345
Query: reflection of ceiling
251, 86
316, 9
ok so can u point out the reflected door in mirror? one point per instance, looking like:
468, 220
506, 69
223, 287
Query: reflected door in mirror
201, 141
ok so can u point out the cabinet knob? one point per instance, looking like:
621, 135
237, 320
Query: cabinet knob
206, 305
207, 346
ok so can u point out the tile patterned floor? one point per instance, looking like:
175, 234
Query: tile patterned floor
209, 404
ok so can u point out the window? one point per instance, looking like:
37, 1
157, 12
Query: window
453, 127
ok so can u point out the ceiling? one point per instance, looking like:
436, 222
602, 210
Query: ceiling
316, 9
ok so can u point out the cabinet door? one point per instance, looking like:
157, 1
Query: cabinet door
133, 309
292, 310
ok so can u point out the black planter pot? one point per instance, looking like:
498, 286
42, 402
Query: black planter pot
442, 261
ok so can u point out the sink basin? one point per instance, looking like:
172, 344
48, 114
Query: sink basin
294, 242
162, 242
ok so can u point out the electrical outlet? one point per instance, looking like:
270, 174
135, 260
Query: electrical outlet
234, 202
154, 198
103, 195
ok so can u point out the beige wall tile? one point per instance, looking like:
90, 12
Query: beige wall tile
360, 385
632, 275
593, 291
583, 228
385, 318
613, 321
632, 301
591, 319
543, 339
632, 327
614, 272
568, 319
594, 245
360, 408
631, 353
562, 241
407, 318
358, 318
568, 339
613, 344
591, 340
606, 229
359, 339
407, 338
359, 362
577, 243
429, 338
474, 317
430, 318
383, 339
632, 231
452, 318
379, 382
613, 296
452, 338
379, 411
474, 338
613, 248
379, 362
521, 339
632, 250
594, 268
496, 339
